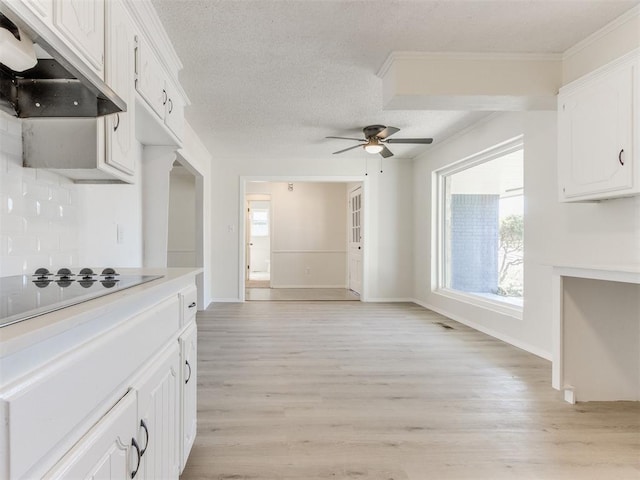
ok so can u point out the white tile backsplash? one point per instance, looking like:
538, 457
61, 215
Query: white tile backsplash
38, 219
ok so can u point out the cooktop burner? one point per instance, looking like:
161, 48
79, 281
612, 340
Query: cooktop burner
23, 296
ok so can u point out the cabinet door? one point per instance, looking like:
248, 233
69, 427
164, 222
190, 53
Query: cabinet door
150, 77
119, 74
595, 136
189, 350
107, 450
158, 411
174, 111
81, 23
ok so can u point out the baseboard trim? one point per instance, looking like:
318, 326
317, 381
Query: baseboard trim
390, 300
492, 333
308, 286
226, 300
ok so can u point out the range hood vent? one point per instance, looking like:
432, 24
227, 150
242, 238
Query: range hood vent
54, 87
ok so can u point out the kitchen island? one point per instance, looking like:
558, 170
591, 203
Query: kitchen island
105, 385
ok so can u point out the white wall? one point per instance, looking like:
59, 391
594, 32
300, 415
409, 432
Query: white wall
388, 250
555, 233
308, 236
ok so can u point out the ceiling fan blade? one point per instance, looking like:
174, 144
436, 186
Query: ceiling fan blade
347, 138
387, 132
350, 148
385, 152
410, 140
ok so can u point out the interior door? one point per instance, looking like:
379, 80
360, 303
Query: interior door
355, 240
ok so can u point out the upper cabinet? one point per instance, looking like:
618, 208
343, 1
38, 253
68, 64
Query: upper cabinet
82, 24
120, 127
162, 99
598, 133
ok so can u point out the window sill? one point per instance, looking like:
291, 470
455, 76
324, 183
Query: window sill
486, 301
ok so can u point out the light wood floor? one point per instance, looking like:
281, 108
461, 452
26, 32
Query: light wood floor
351, 390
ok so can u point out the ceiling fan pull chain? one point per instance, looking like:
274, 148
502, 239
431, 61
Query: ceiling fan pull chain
380, 164
366, 166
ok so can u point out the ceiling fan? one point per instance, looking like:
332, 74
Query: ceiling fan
375, 138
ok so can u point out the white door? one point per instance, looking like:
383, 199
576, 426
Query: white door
355, 240
258, 240
159, 413
188, 385
108, 450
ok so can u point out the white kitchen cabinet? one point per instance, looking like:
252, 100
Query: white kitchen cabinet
174, 110
119, 74
73, 147
81, 24
189, 381
159, 416
598, 133
150, 77
108, 450
161, 97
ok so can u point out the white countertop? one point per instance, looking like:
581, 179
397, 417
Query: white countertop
44, 328
627, 273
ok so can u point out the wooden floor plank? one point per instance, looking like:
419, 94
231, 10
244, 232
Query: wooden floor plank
342, 390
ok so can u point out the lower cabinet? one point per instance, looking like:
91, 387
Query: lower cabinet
189, 351
132, 413
159, 415
108, 451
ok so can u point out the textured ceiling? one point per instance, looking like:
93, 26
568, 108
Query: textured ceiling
269, 79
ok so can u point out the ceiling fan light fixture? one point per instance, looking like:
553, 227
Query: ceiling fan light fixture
373, 146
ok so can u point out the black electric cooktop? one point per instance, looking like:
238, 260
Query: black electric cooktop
26, 296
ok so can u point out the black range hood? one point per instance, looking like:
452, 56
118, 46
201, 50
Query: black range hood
54, 87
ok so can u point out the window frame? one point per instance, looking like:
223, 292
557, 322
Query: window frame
439, 177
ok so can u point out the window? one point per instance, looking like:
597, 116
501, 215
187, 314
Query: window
481, 226
259, 222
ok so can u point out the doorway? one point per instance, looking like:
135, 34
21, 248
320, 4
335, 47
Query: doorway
182, 231
258, 241
305, 226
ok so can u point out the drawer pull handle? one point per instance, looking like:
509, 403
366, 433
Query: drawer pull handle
164, 97
189, 377
115, 127
192, 304
620, 157
170, 105
146, 431
134, 444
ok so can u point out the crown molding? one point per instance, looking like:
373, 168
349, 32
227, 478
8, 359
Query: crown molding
470, 56
599, 34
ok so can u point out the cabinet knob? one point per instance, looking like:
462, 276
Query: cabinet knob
134, 444
620, 157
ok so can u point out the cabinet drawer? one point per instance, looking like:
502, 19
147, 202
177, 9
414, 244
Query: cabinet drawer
47, 413
189, 298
